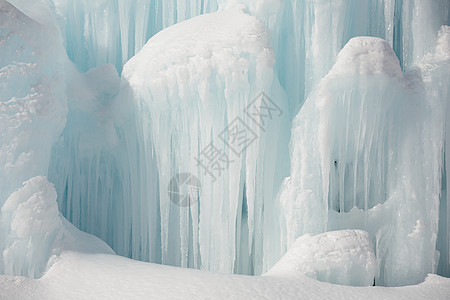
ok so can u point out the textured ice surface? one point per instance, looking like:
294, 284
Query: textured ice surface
343, 257
368, 139
30, 225
193, 83
33, 233
32, 100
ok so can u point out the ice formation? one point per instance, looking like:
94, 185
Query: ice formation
360, 88
342, 257
353, 143
33, 233
31, 220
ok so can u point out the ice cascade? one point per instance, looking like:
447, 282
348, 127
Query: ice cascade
367, 153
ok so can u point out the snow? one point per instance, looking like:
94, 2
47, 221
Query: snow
33, 232
342, 257
93, 276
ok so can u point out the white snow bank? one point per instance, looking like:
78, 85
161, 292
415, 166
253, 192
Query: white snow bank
343, 257
100, 276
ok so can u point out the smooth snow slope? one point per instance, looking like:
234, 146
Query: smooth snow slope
101, 276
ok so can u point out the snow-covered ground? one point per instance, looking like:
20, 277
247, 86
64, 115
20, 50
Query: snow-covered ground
103, 276
78, 275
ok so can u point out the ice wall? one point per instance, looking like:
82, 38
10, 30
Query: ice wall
198, 89
367, 153
95, 167
33, 104
104, 31
435, 68
33, 233
125, 139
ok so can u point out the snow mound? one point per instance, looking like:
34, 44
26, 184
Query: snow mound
367, 55
342, 257
31, 220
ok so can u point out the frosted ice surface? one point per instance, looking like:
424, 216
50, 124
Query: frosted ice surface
33, 232
352, 147
30, 226
366, 147
193, 83
32, 100
342, 257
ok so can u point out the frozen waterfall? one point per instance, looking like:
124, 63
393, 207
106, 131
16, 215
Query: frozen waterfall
284, 118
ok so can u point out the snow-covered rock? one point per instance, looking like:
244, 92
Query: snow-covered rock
343, 257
